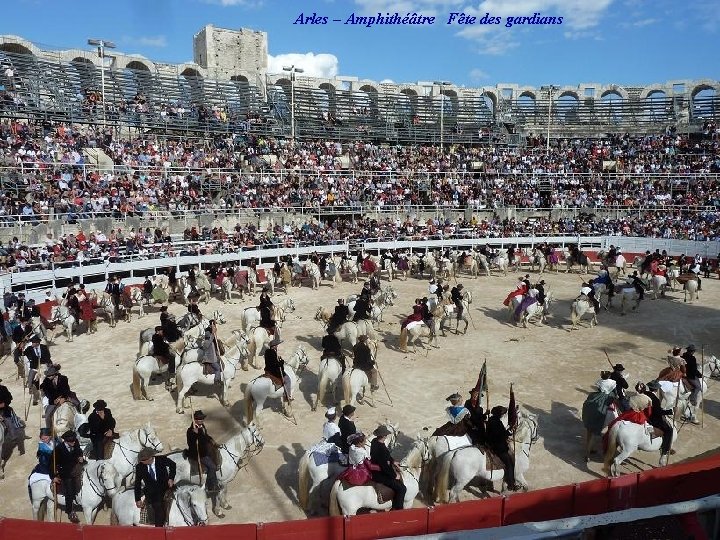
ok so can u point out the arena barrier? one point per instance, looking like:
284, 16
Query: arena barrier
689, 481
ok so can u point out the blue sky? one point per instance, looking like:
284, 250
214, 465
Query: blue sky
604, 41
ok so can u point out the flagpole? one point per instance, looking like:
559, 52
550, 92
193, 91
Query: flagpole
487, 392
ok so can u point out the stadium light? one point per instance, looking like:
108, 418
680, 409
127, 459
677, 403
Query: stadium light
442, 110
101, 45
549, 89
293, 70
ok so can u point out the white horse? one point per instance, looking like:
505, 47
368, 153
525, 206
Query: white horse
466, 463
202, 286
125, 452
100, 479
350, 330
235, 454
348, 501
469, 265
259, 341
450, 312
659, 284
536, 312
418, 329
189, 374
329, 373
629, 437
580, 259
627, 294
313, 475
187, 509
501, 262
250, 317
579, 308
670, 397
67, 417
355, 384
104, 306
62, 316
537, 258
672, 273
691, 289
261, 388
148, 365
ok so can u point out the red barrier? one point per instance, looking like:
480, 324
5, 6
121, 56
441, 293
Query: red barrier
245, 531
105, 532
45, 308
13, 529
329, 528
261, 277
622, 492
466, 515
591, 498
680, 482
540, 505
387, 524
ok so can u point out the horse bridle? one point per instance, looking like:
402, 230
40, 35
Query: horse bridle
94, 486
193, 519
63, 319
534, 435
146, 444
251, 448
425, 452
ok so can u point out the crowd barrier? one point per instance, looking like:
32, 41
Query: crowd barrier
665, 485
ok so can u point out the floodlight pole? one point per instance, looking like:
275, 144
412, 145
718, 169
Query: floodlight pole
442, 110
293, 70
101, 45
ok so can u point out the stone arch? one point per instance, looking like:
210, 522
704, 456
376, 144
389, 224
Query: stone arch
283, 82
366, 98
614, 91
191, 73
137, 65
567, 106
239, 79
407, 102
491, 100
656, 106
704, 87
330, 90
651, 89
611, 105
16, 48
705, 102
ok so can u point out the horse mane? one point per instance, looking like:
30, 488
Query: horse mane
413, 459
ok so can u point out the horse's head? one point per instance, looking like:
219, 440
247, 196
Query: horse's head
148, 438
254, 440
197, 504
394, 432
527, 427
109, 478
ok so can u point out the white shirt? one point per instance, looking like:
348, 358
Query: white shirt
330, 429
357, 455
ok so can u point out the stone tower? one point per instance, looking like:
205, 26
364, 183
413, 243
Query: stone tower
227, 54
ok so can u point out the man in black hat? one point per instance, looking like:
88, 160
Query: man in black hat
636, 282
266, 311
56, 388
540, 287
171, 333
36, 355
362, 359
347, 427
388, 475
102, 428
497, 440
694, 378
114, 290
332, 348
658, 417
154, 475
362, 306
66, 464
201, 448
619, 376
20, 334
5, 400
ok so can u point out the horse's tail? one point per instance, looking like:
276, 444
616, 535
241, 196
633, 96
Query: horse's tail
179, 379
303, 481
347, 394
611, 447
334, 505
322, 385
136, 387
243, 323
574, 313
442, 478
403, 339
249, 404
113, 518
252, 349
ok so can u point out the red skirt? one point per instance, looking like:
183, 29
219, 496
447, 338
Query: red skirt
357, 475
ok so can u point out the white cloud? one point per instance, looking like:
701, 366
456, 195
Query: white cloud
644, 22
478, 75
152, 41
387, 81
315, 65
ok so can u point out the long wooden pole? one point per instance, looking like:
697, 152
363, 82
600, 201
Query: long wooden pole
197, 443
702, 375
487, 393
54, 485
608, 359
677, 399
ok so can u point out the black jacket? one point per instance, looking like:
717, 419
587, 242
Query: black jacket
347, 428
380, 456
362, 357
621, 384
64, 461
160, 346
5, 396
331, 343
198, 442
154, 489
54, 391
98, 426
691, 366
273, 363
36, 360
170, 329
657, 413
497, 435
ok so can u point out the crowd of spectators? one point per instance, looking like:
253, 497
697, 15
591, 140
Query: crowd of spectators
89, 247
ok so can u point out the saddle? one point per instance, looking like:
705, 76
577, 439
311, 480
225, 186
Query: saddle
215, 454
208, 370
492, 462
277, 382
451, 430
384, 493
162, 360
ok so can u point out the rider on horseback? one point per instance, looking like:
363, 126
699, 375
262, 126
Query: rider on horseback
362, 306
362, 359
162, 351
458, 418
339, 317
456, 295
497, 440
694, 377
657, 417
620, 377
56, 389
211, 351
275, 369
7, 414
67, 458
589, 292
636, 282
332, 348
476, 419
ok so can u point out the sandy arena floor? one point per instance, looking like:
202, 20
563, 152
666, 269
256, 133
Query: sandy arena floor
552, 369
